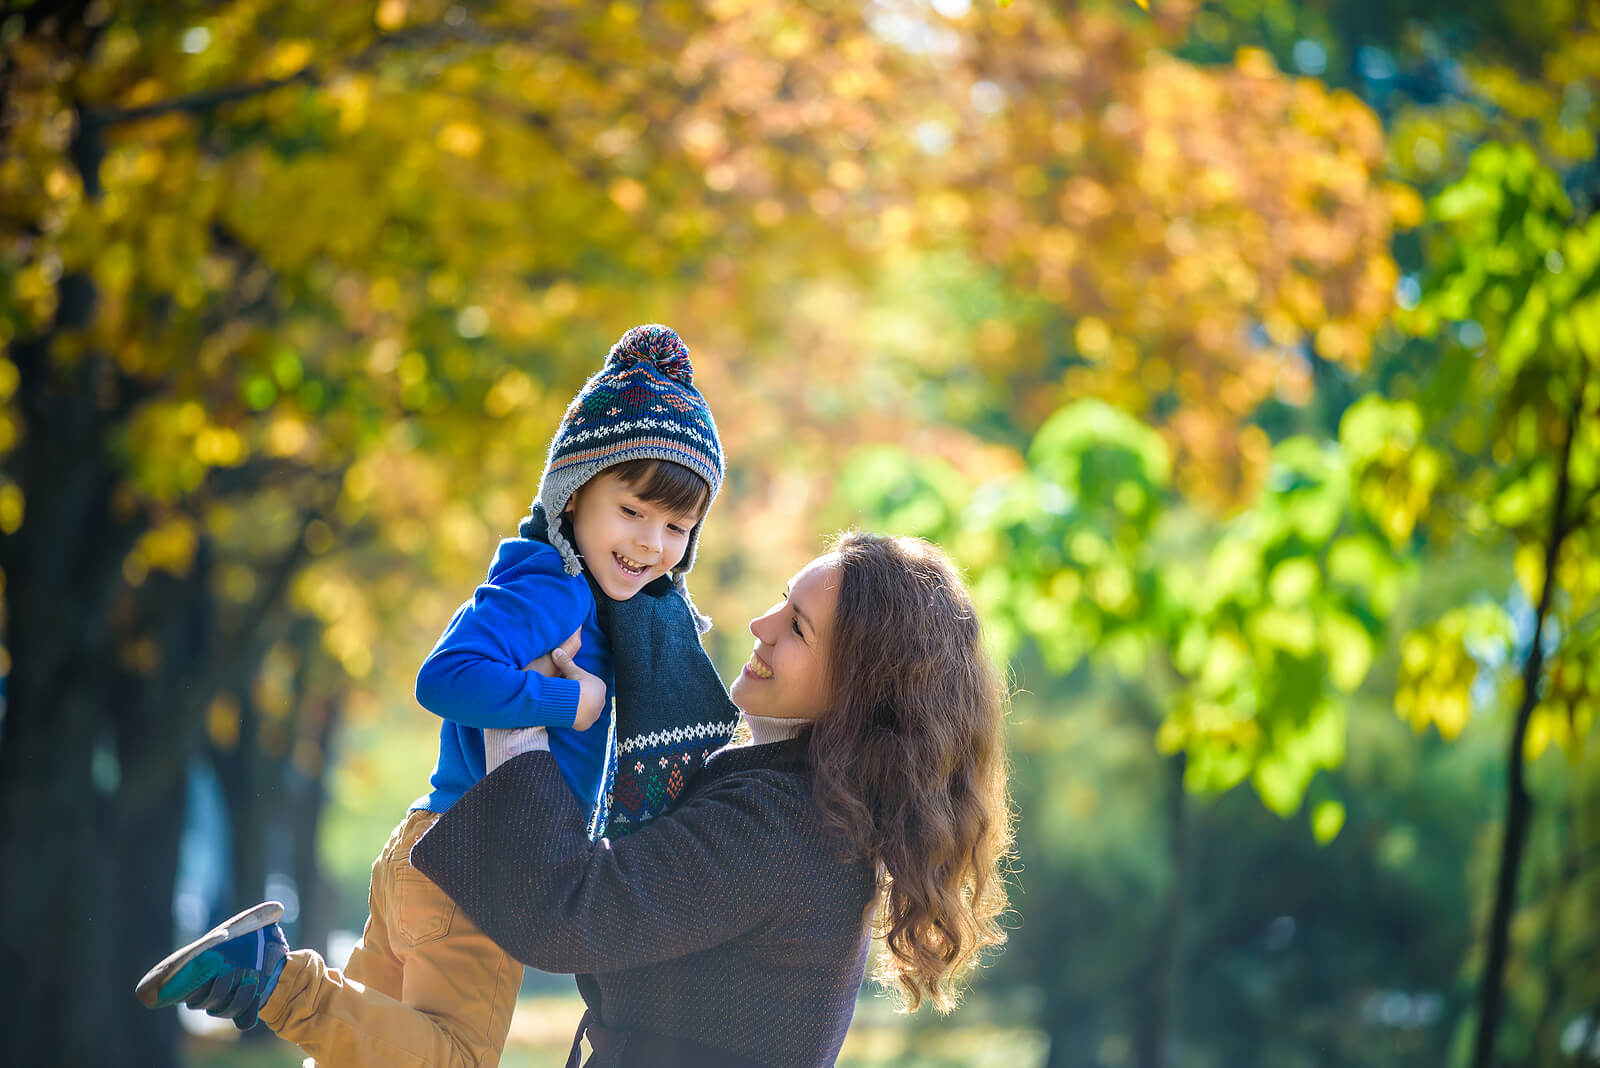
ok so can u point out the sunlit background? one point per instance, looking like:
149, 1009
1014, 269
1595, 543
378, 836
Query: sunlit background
1240, 352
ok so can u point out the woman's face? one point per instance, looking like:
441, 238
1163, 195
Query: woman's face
787, 675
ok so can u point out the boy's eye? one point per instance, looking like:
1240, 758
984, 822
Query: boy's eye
676, 529
629, 512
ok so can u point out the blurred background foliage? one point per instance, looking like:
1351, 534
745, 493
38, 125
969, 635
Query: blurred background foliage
1240, 351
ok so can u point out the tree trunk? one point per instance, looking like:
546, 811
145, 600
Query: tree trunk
308, 801
250, 792
158, 723
1153, 1045
147, 853
92, 760
1070, 1046
1519, 806
58, 768
65, 925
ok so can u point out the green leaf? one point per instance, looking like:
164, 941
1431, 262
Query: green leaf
1524, 332
1292, 629
1349, 649
1375, 424
1327, 819
1524, 500
1281, 783
1469, 198
1293, 581
1065, 446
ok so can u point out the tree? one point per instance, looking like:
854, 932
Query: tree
1237, 646
1515, 408
292, 298
277, 282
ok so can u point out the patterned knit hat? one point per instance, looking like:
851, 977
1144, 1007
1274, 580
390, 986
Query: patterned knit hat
642, 405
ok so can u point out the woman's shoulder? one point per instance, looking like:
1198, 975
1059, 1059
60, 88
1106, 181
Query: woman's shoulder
772, 783
780, 765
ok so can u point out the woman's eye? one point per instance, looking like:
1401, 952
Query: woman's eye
795, 626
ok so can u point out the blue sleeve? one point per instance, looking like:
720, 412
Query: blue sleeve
474, 675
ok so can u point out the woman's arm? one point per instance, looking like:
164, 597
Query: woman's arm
513, 853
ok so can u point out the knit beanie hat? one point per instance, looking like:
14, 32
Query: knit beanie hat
642, 405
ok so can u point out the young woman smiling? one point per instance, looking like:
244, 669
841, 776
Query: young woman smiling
734, 930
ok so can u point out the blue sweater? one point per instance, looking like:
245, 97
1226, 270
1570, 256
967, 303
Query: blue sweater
474, 679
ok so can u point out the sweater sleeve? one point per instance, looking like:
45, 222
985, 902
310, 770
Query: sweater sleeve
513, 854
474, 674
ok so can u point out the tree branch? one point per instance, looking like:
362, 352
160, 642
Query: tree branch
431, 35
1518, 802
277, 586
199, 103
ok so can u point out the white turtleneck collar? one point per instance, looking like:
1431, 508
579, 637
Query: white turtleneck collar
764, 729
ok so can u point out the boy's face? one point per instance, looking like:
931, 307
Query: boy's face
626, 542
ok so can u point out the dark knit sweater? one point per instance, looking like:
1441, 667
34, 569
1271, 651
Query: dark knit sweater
727, 921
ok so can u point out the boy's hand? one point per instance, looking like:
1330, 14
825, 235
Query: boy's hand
591, 688
547, 667
558, 664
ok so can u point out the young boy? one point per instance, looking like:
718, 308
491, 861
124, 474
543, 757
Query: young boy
631, 471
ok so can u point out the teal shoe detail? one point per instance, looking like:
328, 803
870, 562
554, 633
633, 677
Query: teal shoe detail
230, 971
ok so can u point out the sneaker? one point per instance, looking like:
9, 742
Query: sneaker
229, 971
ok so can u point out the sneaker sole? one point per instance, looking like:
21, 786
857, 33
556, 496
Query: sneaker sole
251, 919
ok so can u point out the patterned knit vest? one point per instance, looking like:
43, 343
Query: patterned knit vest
670, 710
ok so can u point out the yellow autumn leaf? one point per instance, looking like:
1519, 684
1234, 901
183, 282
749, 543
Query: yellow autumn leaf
461, 139
10, 509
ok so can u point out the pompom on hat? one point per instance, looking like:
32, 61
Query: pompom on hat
642, 405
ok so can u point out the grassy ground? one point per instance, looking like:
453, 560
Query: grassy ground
541, 1032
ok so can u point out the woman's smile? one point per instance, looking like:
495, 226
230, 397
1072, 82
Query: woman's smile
758, 667
788, 656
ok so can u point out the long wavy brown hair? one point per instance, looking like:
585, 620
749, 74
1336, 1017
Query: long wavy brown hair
909, 760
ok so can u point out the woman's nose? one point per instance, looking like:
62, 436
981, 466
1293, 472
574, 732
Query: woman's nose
760, 624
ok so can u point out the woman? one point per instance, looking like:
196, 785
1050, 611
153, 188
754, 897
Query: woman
734, 930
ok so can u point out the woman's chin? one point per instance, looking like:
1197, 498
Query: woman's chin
739, 694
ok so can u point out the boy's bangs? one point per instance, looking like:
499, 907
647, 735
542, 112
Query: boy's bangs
662, 482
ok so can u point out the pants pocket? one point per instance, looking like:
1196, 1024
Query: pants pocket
423, 912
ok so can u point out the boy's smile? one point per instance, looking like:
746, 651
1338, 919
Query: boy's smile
626, 541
